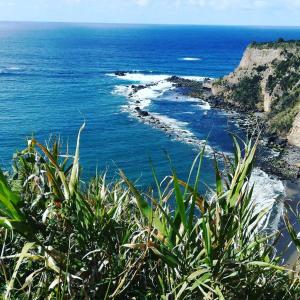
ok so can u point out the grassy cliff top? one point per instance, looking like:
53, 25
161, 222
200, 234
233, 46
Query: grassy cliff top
279, 44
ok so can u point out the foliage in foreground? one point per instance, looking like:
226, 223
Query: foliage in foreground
64, 240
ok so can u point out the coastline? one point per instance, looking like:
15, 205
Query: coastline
275, 156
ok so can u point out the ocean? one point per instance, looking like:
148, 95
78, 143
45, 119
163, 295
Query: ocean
53, 76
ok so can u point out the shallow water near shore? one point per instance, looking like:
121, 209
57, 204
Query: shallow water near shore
53, 76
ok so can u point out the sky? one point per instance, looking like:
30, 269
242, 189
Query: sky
204, 12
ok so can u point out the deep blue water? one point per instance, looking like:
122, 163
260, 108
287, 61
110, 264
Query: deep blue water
54, 75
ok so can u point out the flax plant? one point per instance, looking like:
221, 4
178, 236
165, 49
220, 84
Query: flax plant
63, 239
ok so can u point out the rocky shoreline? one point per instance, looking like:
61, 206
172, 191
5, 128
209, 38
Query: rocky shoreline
275, 155
156, 121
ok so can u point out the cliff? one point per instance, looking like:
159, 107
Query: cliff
267, 80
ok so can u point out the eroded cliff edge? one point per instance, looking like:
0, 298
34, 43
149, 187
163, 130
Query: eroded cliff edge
267, 80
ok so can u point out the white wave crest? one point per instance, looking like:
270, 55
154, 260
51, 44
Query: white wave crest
268, 194
203, 105
178, 130
14, 68
10, 70
152, 78
190, 58
145, 95
122, 90
140, 77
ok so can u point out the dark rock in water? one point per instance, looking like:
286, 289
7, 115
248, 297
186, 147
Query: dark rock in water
144, 113
141, 113
192, 88
137, 101
174, 79
120, 73
137, 88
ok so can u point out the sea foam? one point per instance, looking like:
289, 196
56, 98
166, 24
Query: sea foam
10, 70
190, 58
140, 77
143, 96
268, 194
154, 87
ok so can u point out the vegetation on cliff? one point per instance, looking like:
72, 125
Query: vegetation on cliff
62, 239
267, 85
279, 44
247, 92
285, 107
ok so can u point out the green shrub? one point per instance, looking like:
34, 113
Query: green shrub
248, 92
279, 44
65, 240
282, 122
286, 73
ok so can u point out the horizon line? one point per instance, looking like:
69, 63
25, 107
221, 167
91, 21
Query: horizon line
149, 24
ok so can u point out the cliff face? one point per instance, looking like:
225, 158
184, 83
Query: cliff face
294, 136
268, 80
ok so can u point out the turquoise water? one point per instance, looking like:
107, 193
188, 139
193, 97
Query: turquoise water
52, 76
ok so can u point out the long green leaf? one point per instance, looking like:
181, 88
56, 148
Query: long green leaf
75, 169
144, 207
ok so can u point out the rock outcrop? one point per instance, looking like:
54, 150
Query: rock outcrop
294, 136
267, 80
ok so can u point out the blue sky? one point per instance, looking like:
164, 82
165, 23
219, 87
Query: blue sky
225, 12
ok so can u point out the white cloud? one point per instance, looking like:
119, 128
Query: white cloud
142, 2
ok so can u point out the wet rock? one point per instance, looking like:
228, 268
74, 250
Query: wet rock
144, 113
120, 73
141, 113
137, 88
